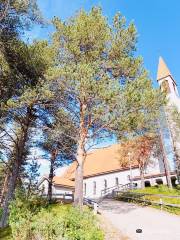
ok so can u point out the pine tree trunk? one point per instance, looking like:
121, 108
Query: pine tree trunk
78, 195
142, 178
50, 183
5, 187
16, 166
9, 195
81, 155
165, 162
51, 174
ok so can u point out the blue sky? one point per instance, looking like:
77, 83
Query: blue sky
157, 22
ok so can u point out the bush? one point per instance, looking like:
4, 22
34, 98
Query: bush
56, 222
66, 223
22, 211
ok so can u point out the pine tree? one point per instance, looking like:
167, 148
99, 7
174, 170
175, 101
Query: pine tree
22, 113
94, 62
57, 142
16, 16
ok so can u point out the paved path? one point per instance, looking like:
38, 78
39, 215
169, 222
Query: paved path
155, 224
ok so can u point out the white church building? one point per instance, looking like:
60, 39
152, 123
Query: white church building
102, 170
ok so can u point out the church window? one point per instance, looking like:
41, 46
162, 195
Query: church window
94, 188
105, 183
117, 181
165, 87
84, 188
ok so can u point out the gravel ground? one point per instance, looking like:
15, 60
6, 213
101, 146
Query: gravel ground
127, 217
111, 232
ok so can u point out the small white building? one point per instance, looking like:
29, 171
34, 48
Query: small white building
62, 188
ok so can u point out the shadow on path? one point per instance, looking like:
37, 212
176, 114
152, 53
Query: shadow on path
116, 207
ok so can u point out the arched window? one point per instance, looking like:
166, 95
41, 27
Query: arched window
94, 188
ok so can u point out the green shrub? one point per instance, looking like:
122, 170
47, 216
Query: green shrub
22, 211
5, 234
66, 223
30, 221
178, 187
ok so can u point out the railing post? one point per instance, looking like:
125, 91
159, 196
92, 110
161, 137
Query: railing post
161, 203
95, 208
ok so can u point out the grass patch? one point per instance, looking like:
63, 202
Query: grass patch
168, 209
162, 190
139, 196
159, 190
5, 234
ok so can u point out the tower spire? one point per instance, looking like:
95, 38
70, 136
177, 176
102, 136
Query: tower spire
163, 70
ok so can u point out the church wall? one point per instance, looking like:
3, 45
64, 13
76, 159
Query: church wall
154, 168
123, 178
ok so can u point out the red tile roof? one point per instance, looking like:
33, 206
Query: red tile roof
99, 161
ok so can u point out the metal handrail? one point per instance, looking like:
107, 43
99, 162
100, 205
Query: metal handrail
117, 187
149, 194
60, 195
134, 196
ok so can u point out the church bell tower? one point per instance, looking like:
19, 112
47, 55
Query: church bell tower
166, 82
169, 87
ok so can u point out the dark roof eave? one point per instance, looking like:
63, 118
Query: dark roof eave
153, 176
166, 77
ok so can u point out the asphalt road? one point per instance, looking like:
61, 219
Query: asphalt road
155, 224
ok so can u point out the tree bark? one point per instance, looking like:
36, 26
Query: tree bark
165, 162
78, 195
19, 158
51, 174
81, 155
142, 178
9, 195
5, 187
